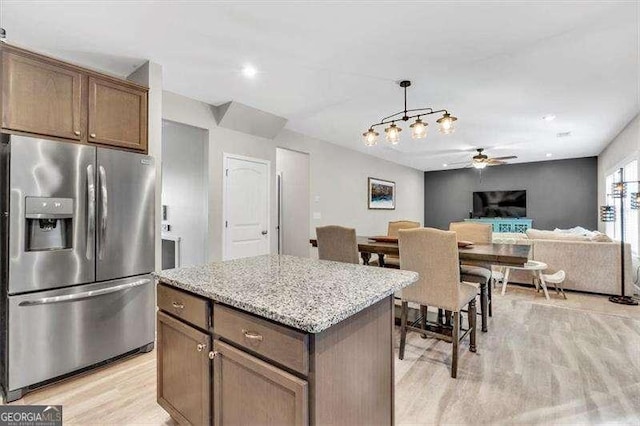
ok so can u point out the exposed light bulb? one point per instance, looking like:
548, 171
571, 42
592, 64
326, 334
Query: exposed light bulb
418, 129
393, 134
446, 123
370, 137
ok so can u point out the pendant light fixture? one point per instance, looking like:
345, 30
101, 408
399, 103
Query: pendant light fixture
370, 137
446, 124
393, 133
418, 129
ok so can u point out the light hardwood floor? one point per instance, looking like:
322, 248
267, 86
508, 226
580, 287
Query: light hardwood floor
557, 362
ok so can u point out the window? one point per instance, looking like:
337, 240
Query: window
631, 217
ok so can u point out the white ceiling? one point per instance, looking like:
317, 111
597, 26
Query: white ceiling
331, 68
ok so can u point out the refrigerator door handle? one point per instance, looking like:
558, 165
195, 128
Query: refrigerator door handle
104, 200
91, 212
85, 295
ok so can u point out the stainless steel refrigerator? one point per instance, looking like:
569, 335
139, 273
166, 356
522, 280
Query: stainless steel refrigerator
76, 251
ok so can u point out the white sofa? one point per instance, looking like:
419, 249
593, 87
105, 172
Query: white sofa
591, 264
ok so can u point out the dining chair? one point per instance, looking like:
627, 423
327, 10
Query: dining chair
433, 254
337, 243
391, 261
477, 233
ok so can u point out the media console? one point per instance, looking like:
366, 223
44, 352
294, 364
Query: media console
505, 224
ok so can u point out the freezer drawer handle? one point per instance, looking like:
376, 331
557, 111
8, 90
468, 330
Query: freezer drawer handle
85, 295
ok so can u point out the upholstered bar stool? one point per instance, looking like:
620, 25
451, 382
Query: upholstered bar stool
337, 243
433, 254
477, 233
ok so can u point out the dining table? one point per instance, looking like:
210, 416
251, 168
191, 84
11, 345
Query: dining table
494, 254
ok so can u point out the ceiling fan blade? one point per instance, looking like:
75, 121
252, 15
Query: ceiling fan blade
510, 157
494, 162
457, 163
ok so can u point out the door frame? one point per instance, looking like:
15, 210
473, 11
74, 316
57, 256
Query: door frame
225, 181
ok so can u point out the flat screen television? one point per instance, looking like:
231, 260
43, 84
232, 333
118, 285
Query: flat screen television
500, 204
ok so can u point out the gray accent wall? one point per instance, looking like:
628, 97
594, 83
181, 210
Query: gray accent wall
560, 194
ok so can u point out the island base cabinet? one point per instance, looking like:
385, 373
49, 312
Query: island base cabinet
249, 391
184, 371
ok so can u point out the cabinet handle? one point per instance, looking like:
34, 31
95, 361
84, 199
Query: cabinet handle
77, 133
178, 305
251, 335
200, 347
213, 354
93, 135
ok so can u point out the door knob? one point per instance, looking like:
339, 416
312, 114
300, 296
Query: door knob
200, 347
264, 232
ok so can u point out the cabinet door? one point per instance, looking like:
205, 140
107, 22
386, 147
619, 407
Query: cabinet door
184, 374
117, 114
41, 97
248, 391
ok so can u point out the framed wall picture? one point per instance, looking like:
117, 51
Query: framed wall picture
382, 194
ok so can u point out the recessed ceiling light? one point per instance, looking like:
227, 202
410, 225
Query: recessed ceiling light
249, 71
444, 165
549, 117
563, 134
549, 154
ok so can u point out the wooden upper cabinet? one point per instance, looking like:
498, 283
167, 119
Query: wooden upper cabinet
117, 114
41, 97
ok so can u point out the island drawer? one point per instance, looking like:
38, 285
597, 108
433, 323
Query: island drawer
284, 345
183, 305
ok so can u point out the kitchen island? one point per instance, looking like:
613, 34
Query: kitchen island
277, 340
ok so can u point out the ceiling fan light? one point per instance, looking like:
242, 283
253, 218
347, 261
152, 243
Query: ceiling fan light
419, 129
370, 137
479, 165
446, 123
393, 134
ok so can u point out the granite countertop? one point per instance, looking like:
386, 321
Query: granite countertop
307, 294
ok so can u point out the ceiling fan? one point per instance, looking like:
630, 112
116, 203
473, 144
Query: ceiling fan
482, 160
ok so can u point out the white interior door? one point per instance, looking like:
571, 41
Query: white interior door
246, 206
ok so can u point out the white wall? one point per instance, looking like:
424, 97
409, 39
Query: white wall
338, 175
184, 185
624, 147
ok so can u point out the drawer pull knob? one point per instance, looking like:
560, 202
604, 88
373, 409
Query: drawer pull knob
77, 133
178, 305
251, 335
213, 354
200, 347
93, 135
